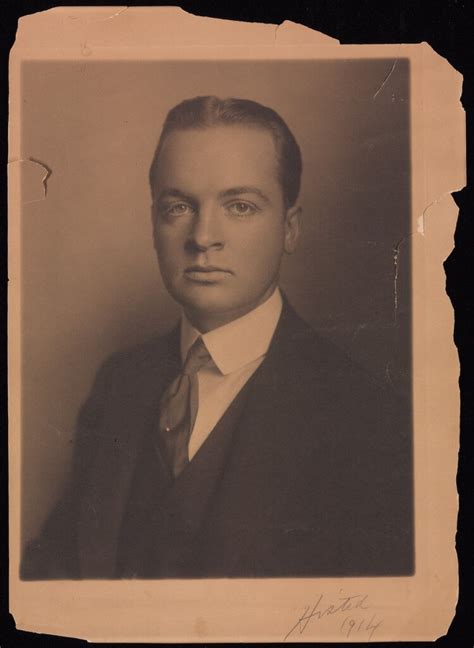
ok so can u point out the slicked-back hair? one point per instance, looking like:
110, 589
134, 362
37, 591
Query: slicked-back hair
206, 112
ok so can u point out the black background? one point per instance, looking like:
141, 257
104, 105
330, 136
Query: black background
448, 26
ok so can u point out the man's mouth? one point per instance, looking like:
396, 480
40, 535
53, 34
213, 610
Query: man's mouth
206, 273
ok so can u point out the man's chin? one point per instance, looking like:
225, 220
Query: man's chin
210, 307
207, 296
214, 304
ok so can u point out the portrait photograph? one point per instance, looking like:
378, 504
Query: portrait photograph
217, 368
311, 474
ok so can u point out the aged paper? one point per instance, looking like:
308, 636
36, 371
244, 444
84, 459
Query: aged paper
77, 119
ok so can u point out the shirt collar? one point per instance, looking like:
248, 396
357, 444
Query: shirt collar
236, 344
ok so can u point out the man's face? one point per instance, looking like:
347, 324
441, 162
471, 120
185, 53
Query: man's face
220, 224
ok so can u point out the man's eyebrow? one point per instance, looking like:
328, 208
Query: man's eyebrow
174, 193
227, 193
237, 191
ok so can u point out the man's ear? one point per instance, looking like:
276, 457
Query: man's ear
292, 228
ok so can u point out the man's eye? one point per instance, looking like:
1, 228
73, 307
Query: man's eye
240, 208
178, 209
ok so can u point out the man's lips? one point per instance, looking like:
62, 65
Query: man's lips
206, 268
206, 274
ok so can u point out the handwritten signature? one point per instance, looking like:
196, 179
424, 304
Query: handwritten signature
359, 619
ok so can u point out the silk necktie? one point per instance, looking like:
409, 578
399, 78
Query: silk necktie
178, 408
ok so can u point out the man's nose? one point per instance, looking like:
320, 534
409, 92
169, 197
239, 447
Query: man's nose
206, 231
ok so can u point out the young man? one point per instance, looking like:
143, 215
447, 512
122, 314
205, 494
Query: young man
241, 444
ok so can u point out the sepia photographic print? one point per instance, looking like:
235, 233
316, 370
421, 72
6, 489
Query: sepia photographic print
216, 331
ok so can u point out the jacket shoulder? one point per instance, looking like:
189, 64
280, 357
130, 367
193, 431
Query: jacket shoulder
314, 363
140, 357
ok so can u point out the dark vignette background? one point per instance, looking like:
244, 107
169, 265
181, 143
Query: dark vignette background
90, 284
448, 26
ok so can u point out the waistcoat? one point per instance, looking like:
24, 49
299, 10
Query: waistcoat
160, 531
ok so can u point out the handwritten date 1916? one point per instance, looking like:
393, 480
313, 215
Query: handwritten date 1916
358, 621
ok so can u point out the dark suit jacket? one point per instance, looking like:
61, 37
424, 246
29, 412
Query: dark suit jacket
311, 477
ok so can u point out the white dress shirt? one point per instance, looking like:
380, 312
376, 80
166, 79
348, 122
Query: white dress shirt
237, 350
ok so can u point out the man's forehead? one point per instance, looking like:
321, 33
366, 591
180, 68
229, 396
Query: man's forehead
239, 151
230, 138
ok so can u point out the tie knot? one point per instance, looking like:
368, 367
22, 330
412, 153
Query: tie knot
198, 356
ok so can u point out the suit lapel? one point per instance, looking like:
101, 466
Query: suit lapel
272, 449
119, 440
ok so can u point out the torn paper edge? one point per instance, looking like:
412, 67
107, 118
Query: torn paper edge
26, 595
